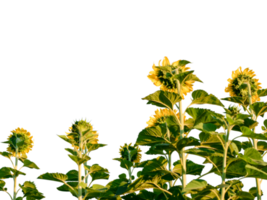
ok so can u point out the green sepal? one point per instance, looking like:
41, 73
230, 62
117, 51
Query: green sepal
202, 97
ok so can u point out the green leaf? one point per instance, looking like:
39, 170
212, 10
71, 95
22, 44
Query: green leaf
202, 97
72, 175
238, 100
6, 154
163, 99
126, 164
78, 160
7, 172
256, 172
97, 172
235, 168
261, 146
182, 76
92, 147
30, 164
64, 137
191, 167
262, 92
265, 123
184, 142
246, 132
151, 135
259, 108
203, 152
30, 191
253, 190
54, 177
209, 127
2, 185
252, 156
72, 151
197, 184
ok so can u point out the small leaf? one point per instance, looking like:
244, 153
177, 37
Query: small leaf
202, 97
78, 160
6, 154
30, 164
197, 184
93, 147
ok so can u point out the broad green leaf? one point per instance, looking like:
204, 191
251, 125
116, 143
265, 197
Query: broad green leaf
203, 152
209, 127
54, 177
253, 190
202, 97
2, 185
163, 99
184, 142
246, 132
65, 188
249, 123
235, 168
252, 156
30, 164
191, 167
7, 172
6, 154
30, 191
262, 92
256, 172
150, 136
197, 184
78, 160
72, 175
97, 172
259, 108
244, 195
126, 164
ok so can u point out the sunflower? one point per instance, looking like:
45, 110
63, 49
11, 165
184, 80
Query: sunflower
160, 117
166, 81
84, 129
22, 139
126, 149
240, 77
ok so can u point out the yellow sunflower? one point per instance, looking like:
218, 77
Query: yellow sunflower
126, 149
166, 82
238, 78
84, 130
22, 139
160, 115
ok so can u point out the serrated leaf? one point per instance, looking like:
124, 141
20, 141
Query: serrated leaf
246, 132
163, 99
78, 160
256, 172
92, 147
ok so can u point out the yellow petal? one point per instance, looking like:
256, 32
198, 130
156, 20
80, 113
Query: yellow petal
165, 61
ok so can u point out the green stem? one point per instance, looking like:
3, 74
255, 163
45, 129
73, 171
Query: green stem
80, 197
224, 163
181, 153
170, 166
86, 171
129, 170
15, 178
255, 145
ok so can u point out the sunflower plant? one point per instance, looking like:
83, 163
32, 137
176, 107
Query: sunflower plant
84, 140
19, 144
167, 132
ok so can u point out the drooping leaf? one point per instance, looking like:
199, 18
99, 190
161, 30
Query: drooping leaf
30, 191
193, 168
92, 147
6, 154
78, 160
59, 177
163, 99
238, 100
202, 97
246, 132
252, 156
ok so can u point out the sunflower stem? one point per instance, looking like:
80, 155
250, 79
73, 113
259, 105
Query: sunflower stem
226, 144
129, 170
255, 145
86, 171
170, 166
15, 177
80, 170
181, 153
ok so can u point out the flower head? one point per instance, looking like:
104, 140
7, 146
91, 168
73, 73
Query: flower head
126, 150
240, 77
232, 110
81, 133
21, 140
166, 81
